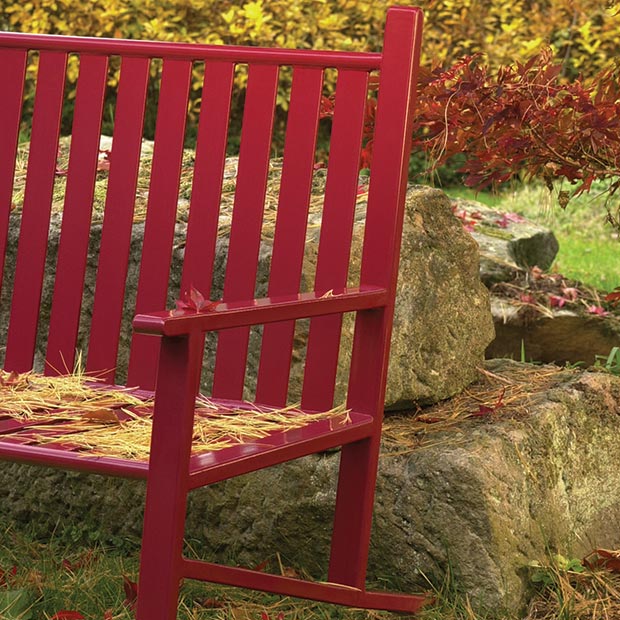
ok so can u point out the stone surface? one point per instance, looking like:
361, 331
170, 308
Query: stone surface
561, 335
507, 241
442, 321
484, 497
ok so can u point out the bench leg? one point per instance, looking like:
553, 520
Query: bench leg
167, 483
353, 518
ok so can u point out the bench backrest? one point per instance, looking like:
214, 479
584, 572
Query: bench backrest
181, 70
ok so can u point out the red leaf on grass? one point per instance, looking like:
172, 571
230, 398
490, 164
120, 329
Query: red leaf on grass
86, 558
107, 615
7, 575
131, 593
67, 615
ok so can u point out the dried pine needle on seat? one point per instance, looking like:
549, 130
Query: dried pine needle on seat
30, 395
116, 423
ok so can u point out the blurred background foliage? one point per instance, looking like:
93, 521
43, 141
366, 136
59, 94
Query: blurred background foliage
584, 34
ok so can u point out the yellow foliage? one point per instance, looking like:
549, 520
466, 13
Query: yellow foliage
583, 33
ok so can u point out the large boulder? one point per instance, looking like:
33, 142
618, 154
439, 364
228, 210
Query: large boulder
442, 322
523, 465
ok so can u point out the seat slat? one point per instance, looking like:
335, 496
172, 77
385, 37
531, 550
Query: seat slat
336, 231
208, 174
161, 214
75, 233
242, 262
118, 217
13, 63
290, 230
32, 247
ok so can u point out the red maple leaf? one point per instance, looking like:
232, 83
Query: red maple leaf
195, 300
131, 593
614, 297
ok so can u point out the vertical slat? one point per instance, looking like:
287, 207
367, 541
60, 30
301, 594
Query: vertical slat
118, 217
336, 231
161, 214
13, 63
207, 183
247, 221
75, 233
290, 229
384, 217
32, 247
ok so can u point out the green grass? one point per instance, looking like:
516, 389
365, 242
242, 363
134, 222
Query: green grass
52, 577
589, 247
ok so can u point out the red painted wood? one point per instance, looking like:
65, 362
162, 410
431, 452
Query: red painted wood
118, 217
193, 51
368, 373
208, 177
172, 470
32, 248
319, 435
75, 233
242, 260
290, 229
336, 230
258, 311
161, 214
13, 63
168, 480
319, 591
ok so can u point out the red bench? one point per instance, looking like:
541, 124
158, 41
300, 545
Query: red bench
167, 347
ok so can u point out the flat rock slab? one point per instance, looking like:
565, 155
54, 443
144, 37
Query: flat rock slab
522, 464
507, 241
561, 335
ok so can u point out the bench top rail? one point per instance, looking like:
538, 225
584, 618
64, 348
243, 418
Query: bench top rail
363, 61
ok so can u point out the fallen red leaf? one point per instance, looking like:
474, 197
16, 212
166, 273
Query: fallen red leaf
131, 593
84, 560
107, 615
7, 575
603, 559
556, 301
67, 615
598, 310
613, 297
262, 566
485, 410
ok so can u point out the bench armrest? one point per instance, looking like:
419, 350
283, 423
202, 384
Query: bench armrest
259, 311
